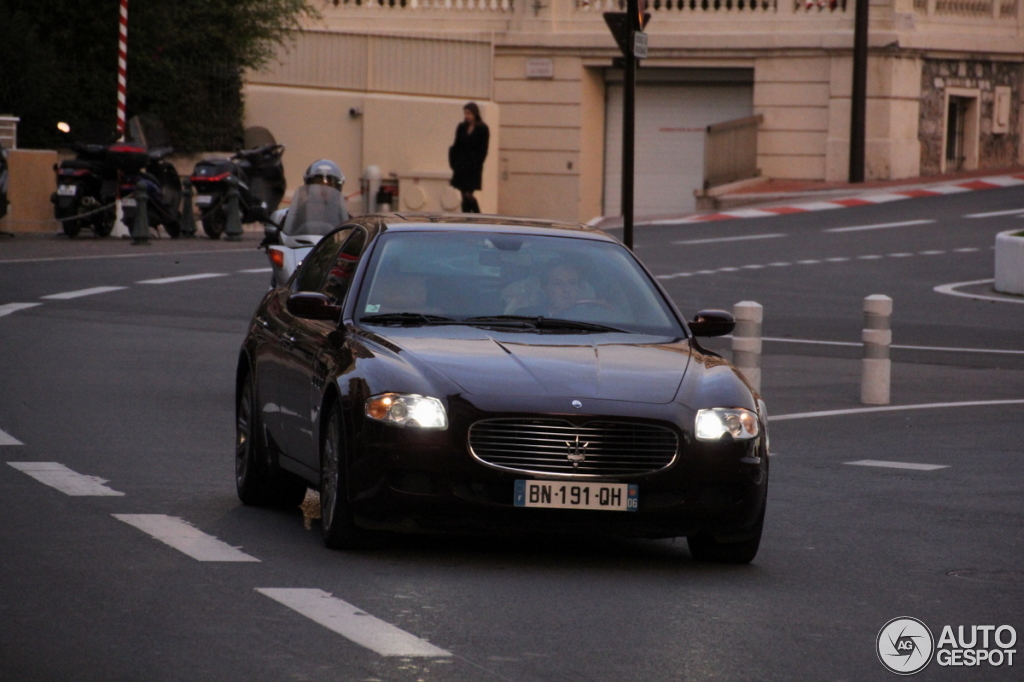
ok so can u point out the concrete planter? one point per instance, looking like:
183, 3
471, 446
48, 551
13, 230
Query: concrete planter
1010, 263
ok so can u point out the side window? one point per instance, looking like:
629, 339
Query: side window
339, 277
319, 261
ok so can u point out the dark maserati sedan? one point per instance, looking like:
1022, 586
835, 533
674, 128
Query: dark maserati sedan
458, 373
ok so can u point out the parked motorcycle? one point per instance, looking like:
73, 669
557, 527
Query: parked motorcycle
315, 210
259, 175
89, 184
86, 186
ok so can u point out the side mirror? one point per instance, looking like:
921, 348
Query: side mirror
312, 306
712, 323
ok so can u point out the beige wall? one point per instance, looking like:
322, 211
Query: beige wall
404, 135
793, 95
541, 150
31, 181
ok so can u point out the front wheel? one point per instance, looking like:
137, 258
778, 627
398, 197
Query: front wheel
257, 482
708, 548
336, 522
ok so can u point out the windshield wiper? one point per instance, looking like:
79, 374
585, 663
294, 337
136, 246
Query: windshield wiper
406, 319
539, 323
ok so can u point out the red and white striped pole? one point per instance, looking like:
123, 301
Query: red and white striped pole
120, 229
122, 68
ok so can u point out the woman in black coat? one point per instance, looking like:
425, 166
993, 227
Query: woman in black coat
466, 156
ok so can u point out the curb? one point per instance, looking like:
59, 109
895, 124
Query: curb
868, 199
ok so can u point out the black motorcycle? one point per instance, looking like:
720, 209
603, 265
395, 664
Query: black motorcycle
89, 184
163, 186
258, 172
86, 186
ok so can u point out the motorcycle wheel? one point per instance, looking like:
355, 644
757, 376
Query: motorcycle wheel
72, 228
104, 225
214, 222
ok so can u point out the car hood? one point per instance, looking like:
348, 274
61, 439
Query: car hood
627, 367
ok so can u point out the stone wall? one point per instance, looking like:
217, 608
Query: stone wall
994, 150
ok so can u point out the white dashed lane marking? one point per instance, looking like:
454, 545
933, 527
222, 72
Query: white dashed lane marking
993, 214
879, 226
897, 465
9, 308
352, 623
8, 439
817, 261
184, 537
731, 239
182, 278
69, 482
258, 271
67, 295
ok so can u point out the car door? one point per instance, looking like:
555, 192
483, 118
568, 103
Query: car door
304, 373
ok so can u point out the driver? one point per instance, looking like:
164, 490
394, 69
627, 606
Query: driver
564, 288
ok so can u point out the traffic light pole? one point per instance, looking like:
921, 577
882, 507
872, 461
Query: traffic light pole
629, 124
858, 96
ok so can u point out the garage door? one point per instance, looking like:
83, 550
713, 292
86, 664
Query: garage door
670, 123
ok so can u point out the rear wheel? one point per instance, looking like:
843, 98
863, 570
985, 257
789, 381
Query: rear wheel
214, 222
338, 528
72, 228
707, 548
256, 480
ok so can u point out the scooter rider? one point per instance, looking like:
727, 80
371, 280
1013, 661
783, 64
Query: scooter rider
324, 172
316, 207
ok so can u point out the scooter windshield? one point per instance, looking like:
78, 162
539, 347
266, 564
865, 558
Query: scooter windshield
315, 210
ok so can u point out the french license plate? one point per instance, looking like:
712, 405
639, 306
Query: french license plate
129, 202
204, 200
571, 495
66, 190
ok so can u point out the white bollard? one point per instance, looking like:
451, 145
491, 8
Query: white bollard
877, 337
372, 177
746, 341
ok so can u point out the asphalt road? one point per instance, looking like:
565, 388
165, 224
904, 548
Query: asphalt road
134, 386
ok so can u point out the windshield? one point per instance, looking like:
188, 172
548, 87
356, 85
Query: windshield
315, 209
510, 280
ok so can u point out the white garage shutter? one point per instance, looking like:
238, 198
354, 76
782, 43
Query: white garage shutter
670, 123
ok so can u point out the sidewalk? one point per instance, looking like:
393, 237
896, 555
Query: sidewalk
781, 197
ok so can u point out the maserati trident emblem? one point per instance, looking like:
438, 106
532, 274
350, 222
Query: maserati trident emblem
577, 451
577, 404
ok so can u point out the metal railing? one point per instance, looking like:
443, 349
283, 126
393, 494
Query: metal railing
730, 151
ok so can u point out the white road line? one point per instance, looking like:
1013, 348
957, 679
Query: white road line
753, 267
69, 482
993, 214
951, 290
8, 439
182, 278
258, 271
879, 226
949, 189
837, 259
121, 255
808, 262
969, 249
728, 269
819, 206
889, 408
9, 308
732, 239
352, 623
780, 264
184, 537
897, 465
944, 349
66, 295
903, 254
931, 253
870, 257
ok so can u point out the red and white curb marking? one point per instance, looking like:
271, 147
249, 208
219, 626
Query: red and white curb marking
993, 182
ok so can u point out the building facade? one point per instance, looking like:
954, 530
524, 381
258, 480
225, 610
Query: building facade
382, 83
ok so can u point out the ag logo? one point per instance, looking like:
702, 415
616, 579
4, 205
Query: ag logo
905, 645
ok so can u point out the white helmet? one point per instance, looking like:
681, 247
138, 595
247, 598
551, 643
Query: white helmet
324, 172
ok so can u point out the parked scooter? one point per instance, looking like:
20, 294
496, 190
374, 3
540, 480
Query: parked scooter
315, 210
259, 175
88, 185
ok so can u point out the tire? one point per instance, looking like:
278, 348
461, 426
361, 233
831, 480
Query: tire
173, 229
706, 548
256, 480
102, 228
214, 222
72, 228
336, 523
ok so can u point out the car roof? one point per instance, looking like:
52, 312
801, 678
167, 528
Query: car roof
475, 222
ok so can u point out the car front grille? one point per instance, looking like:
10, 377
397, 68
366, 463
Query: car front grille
555, 446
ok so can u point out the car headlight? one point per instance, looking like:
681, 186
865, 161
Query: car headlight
407, 410
714, 423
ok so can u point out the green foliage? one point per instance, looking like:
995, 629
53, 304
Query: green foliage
185, 63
